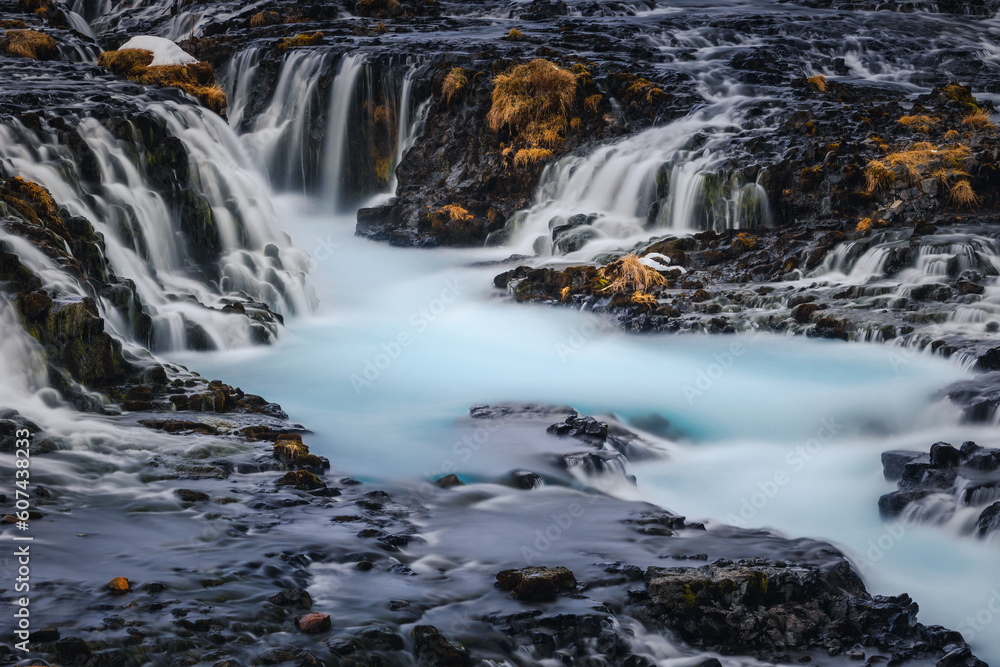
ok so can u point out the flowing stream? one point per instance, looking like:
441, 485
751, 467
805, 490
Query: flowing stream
753, 430
387, 413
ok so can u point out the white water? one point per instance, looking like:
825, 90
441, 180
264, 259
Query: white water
154, 253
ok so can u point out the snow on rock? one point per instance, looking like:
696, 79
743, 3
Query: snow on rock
164, 51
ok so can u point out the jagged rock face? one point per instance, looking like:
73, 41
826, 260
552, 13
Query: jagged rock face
774, 609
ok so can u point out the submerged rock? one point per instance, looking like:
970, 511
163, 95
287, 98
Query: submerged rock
536, 584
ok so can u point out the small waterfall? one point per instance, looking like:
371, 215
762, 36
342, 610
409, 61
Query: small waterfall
335, 126
22, 363
664, 178
338, 128
187, 263
285, 136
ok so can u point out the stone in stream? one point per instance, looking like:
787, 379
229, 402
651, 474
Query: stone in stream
302, 480
448, 481
536, 584
431, 647
119, 586
190, 496
313, 622
293, 597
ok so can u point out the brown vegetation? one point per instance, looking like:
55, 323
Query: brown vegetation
29, 44
196, 79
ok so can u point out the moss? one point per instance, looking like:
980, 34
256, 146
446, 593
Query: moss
196, 79
811, 177
13, 25
817, 82
514, 35
29, 44
29, 199
962, 95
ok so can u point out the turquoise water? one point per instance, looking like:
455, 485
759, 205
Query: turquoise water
405, 341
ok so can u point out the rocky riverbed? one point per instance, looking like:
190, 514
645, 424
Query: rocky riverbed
672, 168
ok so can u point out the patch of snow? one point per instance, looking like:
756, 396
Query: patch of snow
164, 51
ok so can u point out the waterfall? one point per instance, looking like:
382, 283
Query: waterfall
666, 178
334, 126
338, 127
182, 272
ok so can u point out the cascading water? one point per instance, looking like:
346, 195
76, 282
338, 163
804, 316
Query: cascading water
146, 238
665, 178
335, 126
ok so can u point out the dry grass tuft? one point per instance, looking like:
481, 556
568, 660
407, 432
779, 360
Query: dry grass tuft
922, 123
527, 156
312, 39
878, 176
454, 83
818, 82
643, 299
963, 196
979, 120
455, 212
29, 199
628, 274
30, 44
129, 63
866, 224
514, 35
918, 157
265, 18
593, 103
533, 101
196, 79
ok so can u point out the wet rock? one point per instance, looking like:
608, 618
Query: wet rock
536, 584
527, 480
448, 481
989, 520
344, 645
45, 635
431, 647
381, 639
943, 455
190, 496
313, 622
803, 313
119, 586
293, 597
302, 480
72, 650
766, 608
